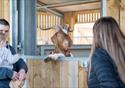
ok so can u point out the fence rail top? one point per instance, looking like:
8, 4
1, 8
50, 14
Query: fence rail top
83, 60
43, 57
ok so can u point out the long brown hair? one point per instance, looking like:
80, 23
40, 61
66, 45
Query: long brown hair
107, 35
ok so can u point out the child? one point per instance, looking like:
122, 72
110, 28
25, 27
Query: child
7, 60
8, 70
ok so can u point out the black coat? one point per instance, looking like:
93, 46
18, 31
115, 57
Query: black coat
103, 72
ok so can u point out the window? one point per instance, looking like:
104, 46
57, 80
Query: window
45, 24
82, 33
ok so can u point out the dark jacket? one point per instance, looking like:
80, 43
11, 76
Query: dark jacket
6, 74
103, 72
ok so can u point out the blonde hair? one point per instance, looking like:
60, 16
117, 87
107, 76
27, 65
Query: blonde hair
107, 35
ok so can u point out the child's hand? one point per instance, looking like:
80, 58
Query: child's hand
15, 76
22, 75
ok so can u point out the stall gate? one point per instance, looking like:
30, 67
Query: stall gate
58, 74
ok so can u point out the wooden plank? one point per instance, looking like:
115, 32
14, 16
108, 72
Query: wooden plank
118, 9
37, 74
70, 18
1, 8
64, 75
55, 74
46, 75
122, 16
73, 74
113, 7
6, 9
30, 82
85, 78
82, 78
43, 75
88, 11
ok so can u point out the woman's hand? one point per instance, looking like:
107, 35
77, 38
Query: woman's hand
22, 74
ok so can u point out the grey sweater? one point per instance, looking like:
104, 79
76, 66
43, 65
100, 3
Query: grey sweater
6, 74
7, 59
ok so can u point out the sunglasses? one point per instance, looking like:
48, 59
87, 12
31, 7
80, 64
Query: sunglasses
4, 31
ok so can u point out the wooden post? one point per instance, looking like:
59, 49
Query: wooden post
5, 9
116, 9
122, 16
1, 8
70, 18
113, 9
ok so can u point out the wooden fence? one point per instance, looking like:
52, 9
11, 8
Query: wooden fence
59, 74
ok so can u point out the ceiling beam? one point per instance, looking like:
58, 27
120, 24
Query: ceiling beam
70, 3
51, 11
41, 3
40, 6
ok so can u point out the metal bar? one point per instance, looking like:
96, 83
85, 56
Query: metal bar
21, 23
27, 26
104, 10
13, 24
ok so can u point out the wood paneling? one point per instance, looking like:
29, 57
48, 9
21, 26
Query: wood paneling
1, 8
30, 74
82, 76
85, 16
122, 16
88, 16
5, 9
59, 74
113, 7
116, 9
70, 18
64, 74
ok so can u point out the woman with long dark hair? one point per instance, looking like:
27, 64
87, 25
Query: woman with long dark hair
107, 58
